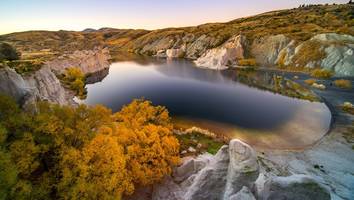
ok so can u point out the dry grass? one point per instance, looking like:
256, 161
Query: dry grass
247, 62
310, 81
310, 51
342, 83
322, 73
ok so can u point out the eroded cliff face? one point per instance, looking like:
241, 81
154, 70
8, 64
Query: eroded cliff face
328, 51
225, 55
89, 61
44, 85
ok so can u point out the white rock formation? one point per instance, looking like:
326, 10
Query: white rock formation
13, 85
224, 56
243, 194
295, 187
231, 175
280, 50
45, 86
89, 61
210, 178
243, 168
191, 166
176, 53
42, 85
339, 53
267, 49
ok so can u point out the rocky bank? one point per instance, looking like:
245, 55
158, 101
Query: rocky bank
234, 173
44, 85
328, 51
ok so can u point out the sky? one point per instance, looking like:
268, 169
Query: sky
24, 15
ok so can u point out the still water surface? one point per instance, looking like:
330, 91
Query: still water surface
214, 100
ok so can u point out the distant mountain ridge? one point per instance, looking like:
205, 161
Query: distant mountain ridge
294, 26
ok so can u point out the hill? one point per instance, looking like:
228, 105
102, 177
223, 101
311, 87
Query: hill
298, 25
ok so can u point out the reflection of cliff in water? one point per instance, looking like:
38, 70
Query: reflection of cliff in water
97, 76
270, 81
264, 80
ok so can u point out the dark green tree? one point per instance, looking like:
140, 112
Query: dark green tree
7, 52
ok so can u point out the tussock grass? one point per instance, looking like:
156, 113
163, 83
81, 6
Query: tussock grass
322, 73
342, 83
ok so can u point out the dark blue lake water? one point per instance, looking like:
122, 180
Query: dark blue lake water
216, 96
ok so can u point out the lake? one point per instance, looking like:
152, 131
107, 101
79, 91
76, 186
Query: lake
214, 100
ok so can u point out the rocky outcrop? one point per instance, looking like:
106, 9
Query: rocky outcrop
243, 168
199, 46
233, 174
42, 85
266, 50
211, 178
225, 55
89, 61
12, 84
295, 187
339, 51
176, 53
328, 51
45, 86
243, 194
191, 166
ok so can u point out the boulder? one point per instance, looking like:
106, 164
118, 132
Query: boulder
223, 175
191, 166
318, 86
243, 168
243, 194
224, 56
295, 187
12, 84
169, 191
210, 182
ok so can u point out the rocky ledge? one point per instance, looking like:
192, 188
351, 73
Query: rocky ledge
234, 174
44, 85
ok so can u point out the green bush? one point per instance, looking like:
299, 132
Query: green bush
74, 78
7, 52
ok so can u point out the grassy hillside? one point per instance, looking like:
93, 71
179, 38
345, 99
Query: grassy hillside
300, 24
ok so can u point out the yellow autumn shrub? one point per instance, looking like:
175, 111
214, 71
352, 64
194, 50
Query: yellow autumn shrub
62, 152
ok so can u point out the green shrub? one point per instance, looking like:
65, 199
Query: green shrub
7, 52
24, 66
74, 78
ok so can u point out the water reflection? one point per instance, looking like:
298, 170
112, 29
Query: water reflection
214, 97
